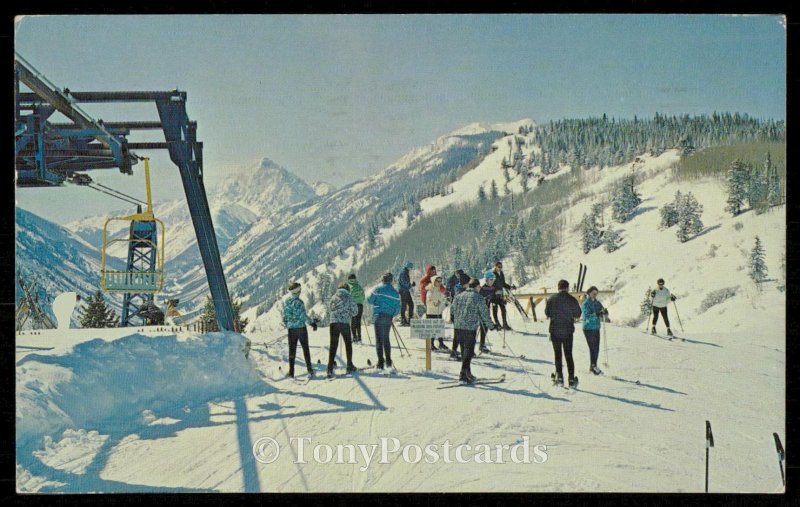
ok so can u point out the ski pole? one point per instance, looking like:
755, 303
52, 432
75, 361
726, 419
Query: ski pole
366, 327
397, 339
504, 337
678, 315
605, 346
781, 456
709, 444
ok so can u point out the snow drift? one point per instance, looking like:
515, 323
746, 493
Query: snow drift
99, 380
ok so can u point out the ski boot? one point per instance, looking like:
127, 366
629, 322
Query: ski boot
351, 368
465, 378
573, 382
388, 363
558, 380
594, 369
433, 346
669, 333
330, 373
380, 364
290, 374
507, 327
653, 330
310, 373
455, 355
442, 346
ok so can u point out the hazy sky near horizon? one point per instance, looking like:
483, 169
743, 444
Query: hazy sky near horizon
339, 97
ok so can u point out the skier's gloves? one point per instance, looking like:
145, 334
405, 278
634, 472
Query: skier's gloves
513, 287
314, 324
413, 284
653, 294
672, 298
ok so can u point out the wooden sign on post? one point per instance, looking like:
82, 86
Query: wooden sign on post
427, 329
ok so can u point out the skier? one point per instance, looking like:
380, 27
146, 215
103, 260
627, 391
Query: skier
454, 284
385, 303
591, 311
404, 285
358, 298
342, 309
488, 292
470, 311
430, 272
295, 320
435, 306
460, 286
499, 299
661, 298
562, 309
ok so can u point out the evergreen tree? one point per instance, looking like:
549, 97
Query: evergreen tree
506, 174
758, 268
520, 273
774, 196
493, 190
669, 212
209, 315
481, 194
524, 181
736, 186
590, 233
646, 306
597, 213
757, 189
612, 239
97, 314
626, 201
689, 223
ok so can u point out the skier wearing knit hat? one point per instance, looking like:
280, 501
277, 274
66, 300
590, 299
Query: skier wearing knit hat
295, 320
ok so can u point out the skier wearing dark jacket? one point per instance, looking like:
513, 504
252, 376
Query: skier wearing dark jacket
499, 301
562, 309
661, 298
488, 292
404, 285
470, 311
358, 298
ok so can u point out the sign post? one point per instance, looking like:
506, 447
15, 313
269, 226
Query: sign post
427, 329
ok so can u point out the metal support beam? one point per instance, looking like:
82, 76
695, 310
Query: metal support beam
186, 153
95, 97
114, 125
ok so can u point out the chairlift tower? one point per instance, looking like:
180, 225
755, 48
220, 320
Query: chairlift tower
48, 153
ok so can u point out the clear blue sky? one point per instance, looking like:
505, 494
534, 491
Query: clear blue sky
339, 97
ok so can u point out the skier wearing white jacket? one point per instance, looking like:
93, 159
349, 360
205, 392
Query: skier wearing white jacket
435, 305
661, 298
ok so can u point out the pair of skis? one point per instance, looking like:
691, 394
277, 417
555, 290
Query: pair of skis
581, 277
447, 384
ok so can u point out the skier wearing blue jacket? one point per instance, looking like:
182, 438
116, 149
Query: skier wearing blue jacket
295, 320
385, 302
404, 285
592, 312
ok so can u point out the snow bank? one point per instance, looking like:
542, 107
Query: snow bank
99, 380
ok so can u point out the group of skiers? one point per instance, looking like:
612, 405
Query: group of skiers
469, 313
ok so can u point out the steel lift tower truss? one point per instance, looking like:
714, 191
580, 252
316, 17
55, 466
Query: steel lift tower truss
49, 153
